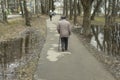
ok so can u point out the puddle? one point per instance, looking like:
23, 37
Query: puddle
53, 55
54, 45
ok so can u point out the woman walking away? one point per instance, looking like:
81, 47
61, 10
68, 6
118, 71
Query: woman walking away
50, 15
64, 29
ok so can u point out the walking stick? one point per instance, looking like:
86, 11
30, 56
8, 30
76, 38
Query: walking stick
59, 44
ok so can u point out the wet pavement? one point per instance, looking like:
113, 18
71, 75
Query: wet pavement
75, 64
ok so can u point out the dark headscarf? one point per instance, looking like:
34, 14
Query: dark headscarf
63, 17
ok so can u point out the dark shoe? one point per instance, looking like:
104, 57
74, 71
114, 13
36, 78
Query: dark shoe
66, 49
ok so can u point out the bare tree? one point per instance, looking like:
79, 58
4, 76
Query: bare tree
36, 6
96, 9
79, 8
66, 3
4, 10
21, 8
46, 6
86, 17
51, 5
42, 7
71, 9
27, 17
75, 11
64, 7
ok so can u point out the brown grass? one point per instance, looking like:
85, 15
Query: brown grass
16, 25
11, 29
40, 24
99, 20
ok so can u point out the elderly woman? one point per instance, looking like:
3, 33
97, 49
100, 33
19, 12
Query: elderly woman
64, 29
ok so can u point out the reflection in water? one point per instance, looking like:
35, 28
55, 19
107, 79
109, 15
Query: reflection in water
53, 55
10, 71
93, 42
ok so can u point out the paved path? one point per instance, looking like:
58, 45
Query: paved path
77, 64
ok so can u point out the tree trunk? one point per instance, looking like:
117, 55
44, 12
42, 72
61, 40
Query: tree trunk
8, 4
96, 9
86, 22
53, 7
17, 5
27, 17
75, 11
46, 7
42, 7
50, 4
4, 11
64, 7
118, 8
79, 8
113, 10
96, 37
36, 7
86, 17
21, 8
71, 10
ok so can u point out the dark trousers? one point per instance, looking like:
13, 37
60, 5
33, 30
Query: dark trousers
64, 43
50, 17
